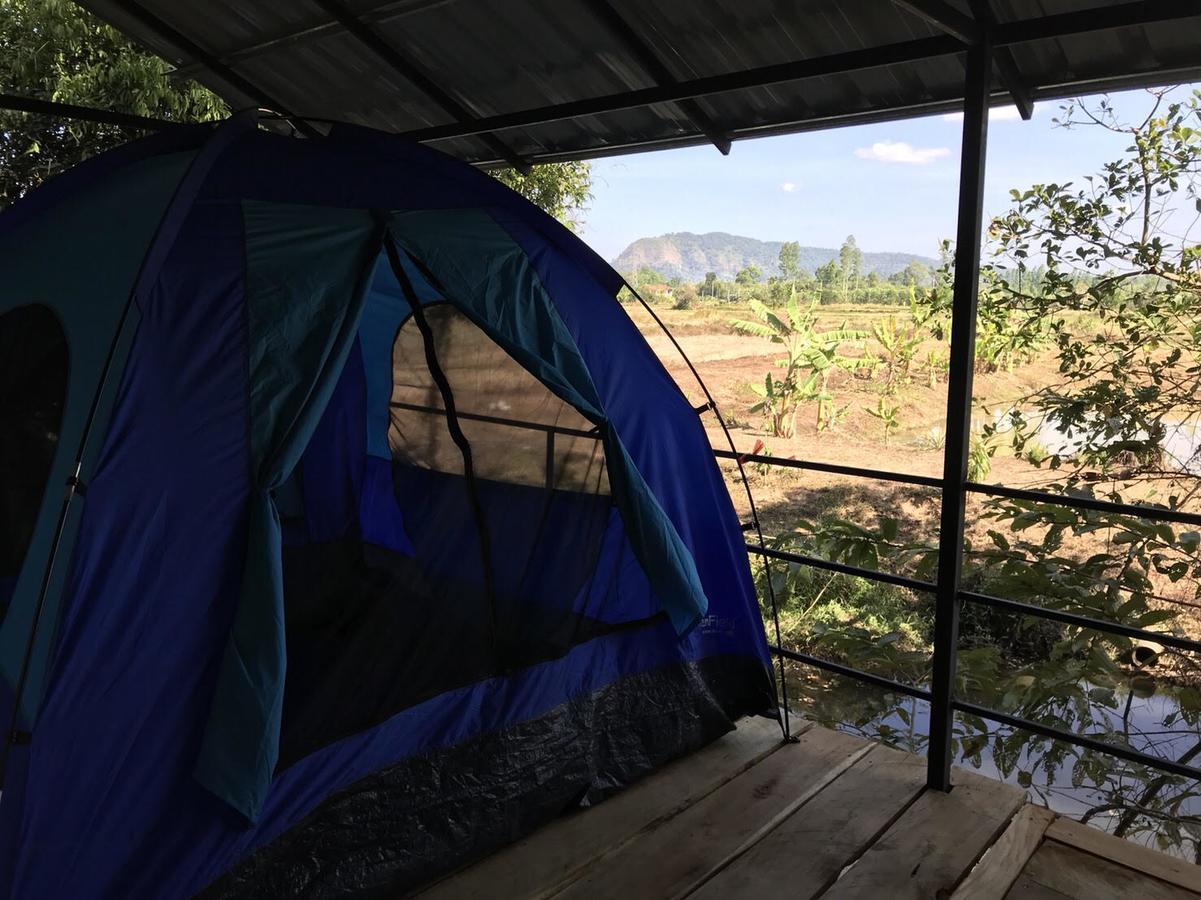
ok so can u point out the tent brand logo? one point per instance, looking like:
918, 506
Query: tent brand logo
717, 625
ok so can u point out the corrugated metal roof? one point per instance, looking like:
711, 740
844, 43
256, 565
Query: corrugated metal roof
437, 67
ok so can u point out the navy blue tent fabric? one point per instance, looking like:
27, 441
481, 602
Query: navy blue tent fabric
127, 223
302, 318
104, 801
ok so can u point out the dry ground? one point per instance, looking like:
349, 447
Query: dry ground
729, 362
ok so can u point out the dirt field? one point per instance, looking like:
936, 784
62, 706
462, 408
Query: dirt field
729, 362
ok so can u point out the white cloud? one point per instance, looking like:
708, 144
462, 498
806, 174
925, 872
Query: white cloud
996, 114
788, 187
902, 152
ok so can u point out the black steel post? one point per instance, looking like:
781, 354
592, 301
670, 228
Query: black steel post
978, 78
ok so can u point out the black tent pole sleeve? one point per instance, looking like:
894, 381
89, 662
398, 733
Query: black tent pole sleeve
456, 432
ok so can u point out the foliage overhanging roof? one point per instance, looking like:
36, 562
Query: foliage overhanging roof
497, 82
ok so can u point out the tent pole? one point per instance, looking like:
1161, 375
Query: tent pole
785, 722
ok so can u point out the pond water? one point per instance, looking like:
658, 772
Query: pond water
1180, 449
1148, 712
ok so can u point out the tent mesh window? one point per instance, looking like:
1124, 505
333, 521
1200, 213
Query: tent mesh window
33, 388
519, 432
515, 560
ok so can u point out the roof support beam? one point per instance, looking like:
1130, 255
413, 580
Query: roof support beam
1007, 67
951, 21
1005, 34
370, 39
195, 52
852, 61
658, 70
376, 15
944, 17
84, 113
1121, 15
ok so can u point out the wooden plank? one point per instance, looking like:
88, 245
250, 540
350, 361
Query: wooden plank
1167, 868
1026, 888
537, 864
806, 851
1003, 862
673, 858
1078, 874
939, 838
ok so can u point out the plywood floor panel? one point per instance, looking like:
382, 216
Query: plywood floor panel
538, 864
804, 853
673, 858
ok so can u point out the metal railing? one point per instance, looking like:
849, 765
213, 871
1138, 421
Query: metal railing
549, 430
1016, 607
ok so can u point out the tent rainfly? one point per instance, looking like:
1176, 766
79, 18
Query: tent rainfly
380, 511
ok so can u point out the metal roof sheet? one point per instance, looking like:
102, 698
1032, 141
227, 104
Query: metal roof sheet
492, 81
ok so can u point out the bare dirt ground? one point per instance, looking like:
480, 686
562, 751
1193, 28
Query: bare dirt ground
729, 362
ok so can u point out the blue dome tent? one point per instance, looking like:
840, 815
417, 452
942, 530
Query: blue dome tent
387, 537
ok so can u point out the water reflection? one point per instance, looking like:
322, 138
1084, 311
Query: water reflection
1134, 801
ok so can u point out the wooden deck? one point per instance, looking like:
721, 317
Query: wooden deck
831, 816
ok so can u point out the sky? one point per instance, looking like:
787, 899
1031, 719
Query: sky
894, 185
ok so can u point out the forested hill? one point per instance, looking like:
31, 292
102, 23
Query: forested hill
690, 256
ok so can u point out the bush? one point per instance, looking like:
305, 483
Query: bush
686, 297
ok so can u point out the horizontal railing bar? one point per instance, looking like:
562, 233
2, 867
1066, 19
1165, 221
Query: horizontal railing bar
880, 681
1080, 740
1151, 513
1067, 618
913, 584
984, 712
832, 468
497, 420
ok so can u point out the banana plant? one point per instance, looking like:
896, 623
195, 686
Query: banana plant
812, 358
899, 345
888, 415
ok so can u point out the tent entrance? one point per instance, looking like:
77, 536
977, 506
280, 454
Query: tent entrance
516, 552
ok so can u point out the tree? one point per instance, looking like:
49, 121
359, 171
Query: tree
685, 296
748, 274
709, 285
562, 189
790, 261
54, 50
916, 274
828, 276
646, 275
1119, 302
850, 259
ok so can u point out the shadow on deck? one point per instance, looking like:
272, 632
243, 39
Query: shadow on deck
831, 816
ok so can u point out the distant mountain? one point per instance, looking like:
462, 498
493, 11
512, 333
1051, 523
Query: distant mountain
690, 256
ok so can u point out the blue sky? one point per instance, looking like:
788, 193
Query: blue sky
892, 185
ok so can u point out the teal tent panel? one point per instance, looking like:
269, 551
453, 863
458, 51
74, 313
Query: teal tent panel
61, 259
384, 311
308, 270
475, 264
479, 268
